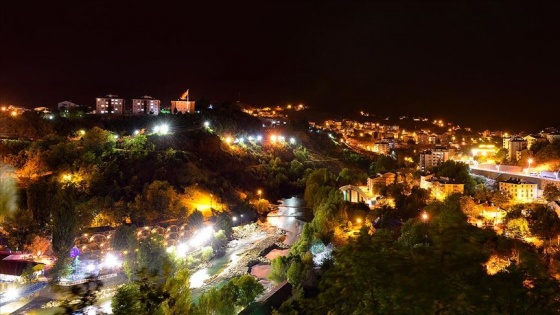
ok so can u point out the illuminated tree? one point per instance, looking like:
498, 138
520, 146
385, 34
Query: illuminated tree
8, 191
551, 192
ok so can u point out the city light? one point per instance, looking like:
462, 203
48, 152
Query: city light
10, 295
234, 219
207, 124
164, 129
229, 140
292, 140
136, 132
82, 132
425, 216
259, 138
530, 161
111, 261
359, 220
90, 267
273, 138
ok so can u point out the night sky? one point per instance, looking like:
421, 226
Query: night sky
486, 65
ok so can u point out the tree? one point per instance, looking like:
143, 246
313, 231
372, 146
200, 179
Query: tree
468, 206
86, 293
195, 219
158, 201
551, 192
544, 222
8, 191
179, 301
458, 171
64, 229
40, 201
127, 300
518, 227
39, 246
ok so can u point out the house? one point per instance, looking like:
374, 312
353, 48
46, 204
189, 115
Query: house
519, 190
441, 187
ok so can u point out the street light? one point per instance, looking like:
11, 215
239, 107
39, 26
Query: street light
259, 192
359, 220
530, 161
425, 216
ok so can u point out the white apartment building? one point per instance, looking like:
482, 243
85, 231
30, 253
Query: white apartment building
110, 104
433, 157
145, 105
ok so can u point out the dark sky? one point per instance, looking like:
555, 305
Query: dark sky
493, 64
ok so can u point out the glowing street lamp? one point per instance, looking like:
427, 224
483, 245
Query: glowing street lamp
359, 220
259, 192
530, 161
207, 124
234, 219
425, 216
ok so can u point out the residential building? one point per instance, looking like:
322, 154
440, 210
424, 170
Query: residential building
553, 137
519, 190
513, 145
145, 105
385, 179
433, 157
382, 147
67, 105
534, 138
441, 187
110, 104
484, 150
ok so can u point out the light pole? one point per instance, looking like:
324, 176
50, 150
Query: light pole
259, 192
530, 160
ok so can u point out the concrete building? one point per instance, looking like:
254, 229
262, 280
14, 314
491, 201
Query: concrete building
532, 139
110, 104
513, 145
382, 147
385, 179
145, 105
441, 187
183, 104
518, 189
67, 105
433, 157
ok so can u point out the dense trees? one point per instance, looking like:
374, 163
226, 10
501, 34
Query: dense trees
229, 299
433, 267
458, 171
551, 192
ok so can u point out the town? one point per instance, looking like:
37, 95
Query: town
103, 205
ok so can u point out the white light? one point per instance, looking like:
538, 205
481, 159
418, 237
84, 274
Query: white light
164, 129
116, 136
251, 138
292, 140
259, 137
240, 140
206, 124
136, 132
10, 295
281, 138
111, 261
182, 249
156, 129
90, 267
234, 219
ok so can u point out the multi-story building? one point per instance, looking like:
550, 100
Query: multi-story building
433, 157
110, 104
382, 147
145, 105
515, 144
385, 179
532, 139
441, 187
518, 189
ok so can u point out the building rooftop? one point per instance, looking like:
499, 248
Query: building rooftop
518, 181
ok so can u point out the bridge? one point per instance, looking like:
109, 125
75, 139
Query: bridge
353, 193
